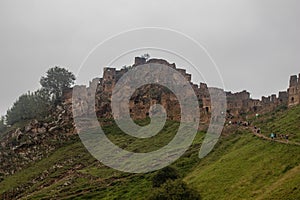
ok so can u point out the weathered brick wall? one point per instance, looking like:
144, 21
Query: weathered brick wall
237, 103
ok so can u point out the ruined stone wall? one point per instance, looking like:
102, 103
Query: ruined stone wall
294, 91
283, 97
238, 104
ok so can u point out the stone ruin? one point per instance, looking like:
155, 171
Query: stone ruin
238, 104
294, 91
30, 142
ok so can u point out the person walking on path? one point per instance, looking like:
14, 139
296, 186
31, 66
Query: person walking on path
258, 130
287, 137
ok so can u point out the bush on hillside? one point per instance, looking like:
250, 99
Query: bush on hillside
163, 175
175, 190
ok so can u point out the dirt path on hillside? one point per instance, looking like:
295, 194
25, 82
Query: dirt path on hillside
254, 132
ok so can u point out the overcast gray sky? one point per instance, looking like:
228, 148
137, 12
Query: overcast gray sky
255, 43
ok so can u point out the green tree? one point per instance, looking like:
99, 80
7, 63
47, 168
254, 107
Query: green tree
32, 105
2, 124
174, 190
57, 79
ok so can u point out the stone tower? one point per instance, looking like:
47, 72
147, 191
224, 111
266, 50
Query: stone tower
109, 79
294, 91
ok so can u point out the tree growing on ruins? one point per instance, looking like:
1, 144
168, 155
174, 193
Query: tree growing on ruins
56, 80
146, 56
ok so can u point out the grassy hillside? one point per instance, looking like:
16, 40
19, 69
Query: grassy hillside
72, 173
248, 168
281, 121
241, 166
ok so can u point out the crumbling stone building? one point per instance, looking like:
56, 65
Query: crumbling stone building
294, 91
238, 104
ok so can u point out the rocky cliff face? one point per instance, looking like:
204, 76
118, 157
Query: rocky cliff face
35, 140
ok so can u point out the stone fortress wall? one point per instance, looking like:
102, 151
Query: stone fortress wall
294, 91
238, 104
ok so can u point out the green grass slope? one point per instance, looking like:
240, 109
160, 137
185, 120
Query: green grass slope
72, 173
249, 168
281, 121
241, 166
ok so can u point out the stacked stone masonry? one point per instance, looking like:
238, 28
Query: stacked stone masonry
238, 104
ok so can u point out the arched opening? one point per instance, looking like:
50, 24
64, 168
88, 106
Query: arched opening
292, 99
206, 109
254, 108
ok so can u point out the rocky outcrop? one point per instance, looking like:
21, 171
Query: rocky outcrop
35, 140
